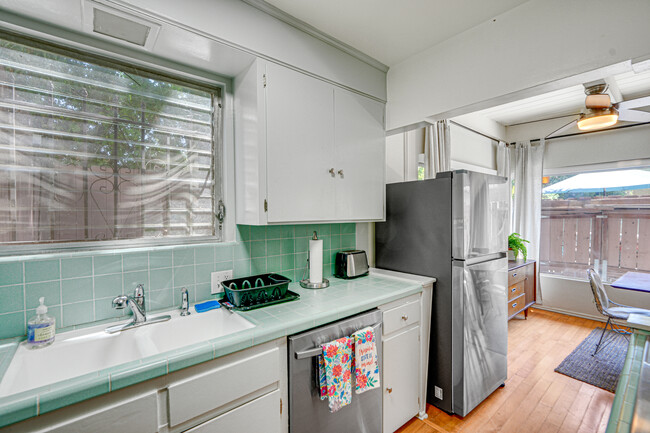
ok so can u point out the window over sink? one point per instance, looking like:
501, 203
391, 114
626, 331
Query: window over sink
96, 150
598, 219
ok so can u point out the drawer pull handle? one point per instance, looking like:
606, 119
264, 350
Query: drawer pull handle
515, 304
405, 317
389, 390
514, 275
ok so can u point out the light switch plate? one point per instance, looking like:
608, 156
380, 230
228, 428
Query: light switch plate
216, 278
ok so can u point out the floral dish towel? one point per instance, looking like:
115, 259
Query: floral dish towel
366, 365
335, 373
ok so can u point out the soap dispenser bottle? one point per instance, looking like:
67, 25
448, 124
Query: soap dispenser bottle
40, 328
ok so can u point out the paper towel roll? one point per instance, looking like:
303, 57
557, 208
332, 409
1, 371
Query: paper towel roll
316, 261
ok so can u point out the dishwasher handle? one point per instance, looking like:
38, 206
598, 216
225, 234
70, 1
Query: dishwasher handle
315, 351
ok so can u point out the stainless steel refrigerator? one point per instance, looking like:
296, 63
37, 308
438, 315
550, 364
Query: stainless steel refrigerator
454, 228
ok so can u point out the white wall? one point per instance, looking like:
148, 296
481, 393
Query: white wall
608, 146
472, 151
575, 297
534, 44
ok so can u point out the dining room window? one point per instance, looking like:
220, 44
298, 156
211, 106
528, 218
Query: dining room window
596, 219
94, 150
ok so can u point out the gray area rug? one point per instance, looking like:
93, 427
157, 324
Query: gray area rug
601, 370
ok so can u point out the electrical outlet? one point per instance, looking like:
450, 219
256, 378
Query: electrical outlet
438, 392
216, 278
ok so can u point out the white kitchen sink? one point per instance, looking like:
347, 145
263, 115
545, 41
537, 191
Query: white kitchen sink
89, 350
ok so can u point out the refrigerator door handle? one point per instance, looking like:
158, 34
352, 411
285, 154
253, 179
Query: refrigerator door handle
315, 351
485, 258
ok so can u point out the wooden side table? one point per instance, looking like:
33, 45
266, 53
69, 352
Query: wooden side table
522, 291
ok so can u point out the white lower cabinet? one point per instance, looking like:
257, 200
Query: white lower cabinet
243, 392
403, 374
401, 378
259, 415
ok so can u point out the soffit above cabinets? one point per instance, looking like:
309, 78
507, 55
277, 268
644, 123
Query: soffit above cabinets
164, 40
391, 31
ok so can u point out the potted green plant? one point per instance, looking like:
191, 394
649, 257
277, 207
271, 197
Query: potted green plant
517, 244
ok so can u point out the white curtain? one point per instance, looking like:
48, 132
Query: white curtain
437, 149
523, 162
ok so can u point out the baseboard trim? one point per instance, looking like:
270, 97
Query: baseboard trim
569, 313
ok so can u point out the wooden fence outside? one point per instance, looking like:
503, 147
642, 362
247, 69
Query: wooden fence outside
579, 233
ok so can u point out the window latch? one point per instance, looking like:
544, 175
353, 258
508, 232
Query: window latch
221, 214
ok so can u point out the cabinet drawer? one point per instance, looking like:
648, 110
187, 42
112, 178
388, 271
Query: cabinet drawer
137, 414
516, 275
400, 317
202, 393
516, 305
515, 290
259, 415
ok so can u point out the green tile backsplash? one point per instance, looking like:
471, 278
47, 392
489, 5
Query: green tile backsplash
79, 287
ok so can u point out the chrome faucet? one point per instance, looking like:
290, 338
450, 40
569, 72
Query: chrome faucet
137, 304
185, 303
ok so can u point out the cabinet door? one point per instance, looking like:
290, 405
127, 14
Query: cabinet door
259, 415
401, 378
360, 156
299, 146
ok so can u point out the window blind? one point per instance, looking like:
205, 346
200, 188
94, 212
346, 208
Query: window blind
89, 151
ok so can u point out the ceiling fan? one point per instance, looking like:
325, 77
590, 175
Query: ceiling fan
602, 113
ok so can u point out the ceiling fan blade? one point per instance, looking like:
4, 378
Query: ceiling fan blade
634, 103
563, 128
634, 116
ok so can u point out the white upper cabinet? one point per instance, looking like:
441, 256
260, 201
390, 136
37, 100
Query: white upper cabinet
305, 150
299, 146
360, 156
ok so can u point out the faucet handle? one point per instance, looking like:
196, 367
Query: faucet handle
138, 295
120, 302
185, 302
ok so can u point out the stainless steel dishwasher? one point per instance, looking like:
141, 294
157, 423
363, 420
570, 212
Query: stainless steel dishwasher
307, 412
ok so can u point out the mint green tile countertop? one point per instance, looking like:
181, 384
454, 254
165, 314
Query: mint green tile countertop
620, 417
314, 308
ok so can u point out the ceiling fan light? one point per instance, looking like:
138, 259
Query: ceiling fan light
598, 119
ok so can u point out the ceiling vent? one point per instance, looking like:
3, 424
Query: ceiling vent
116, 24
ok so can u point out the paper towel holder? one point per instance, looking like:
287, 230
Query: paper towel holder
305, 283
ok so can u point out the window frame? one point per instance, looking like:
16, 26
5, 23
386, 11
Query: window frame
130, 63
588, 168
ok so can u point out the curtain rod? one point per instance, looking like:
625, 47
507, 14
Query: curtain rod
475, 131
590, 132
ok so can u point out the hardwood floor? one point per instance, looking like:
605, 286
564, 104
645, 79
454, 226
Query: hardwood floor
535, 398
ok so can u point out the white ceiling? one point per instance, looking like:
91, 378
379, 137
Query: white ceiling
626, 86
393, 30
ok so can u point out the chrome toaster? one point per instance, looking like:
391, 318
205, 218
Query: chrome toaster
351, 264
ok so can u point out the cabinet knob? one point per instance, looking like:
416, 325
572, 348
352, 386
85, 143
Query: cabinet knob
514, 275
332, 171
405, 317
389, 390
341, 173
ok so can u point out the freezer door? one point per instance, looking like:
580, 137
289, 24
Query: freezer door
485, 331
480, 213
307, 412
